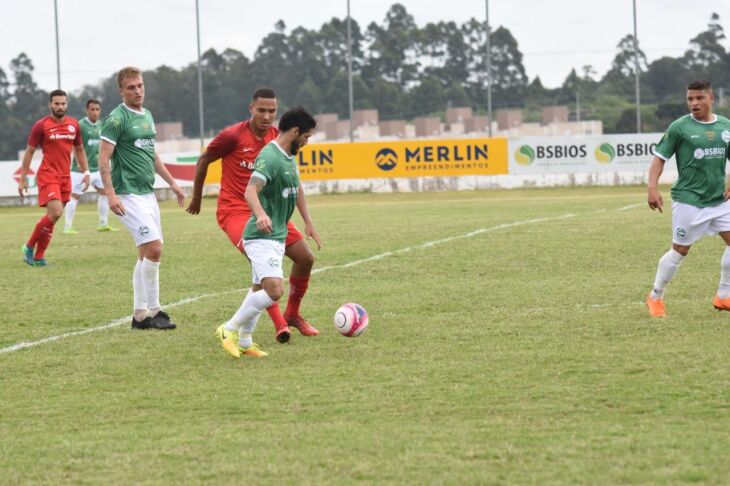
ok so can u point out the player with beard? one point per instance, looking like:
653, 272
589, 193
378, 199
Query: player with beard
57, 134
272, 193
238, 146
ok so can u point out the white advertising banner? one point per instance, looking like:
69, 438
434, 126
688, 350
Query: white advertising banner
595, 153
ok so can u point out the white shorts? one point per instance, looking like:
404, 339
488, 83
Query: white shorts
267, 257
690, 223
141, 217
77, 182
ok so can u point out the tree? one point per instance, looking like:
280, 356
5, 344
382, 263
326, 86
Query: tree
392, 48
427, 98
706, 57
668, 78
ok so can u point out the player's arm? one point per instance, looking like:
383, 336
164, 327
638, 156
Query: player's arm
83, 165
654, 198
255, 185
309, 230
106, 149
201, 171
23, 180
165, 174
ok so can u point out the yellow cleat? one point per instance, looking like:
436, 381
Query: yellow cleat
253, 351
229, 340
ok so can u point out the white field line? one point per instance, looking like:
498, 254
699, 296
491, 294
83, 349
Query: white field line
428, 244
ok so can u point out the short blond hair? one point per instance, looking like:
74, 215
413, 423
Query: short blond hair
127, 72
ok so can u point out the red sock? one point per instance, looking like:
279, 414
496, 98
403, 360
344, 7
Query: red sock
44, 222
44, 240
275, 314
297, 288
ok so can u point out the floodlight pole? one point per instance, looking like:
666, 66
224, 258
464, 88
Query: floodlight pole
489, 70
200, 77
636, 72
58, 49
349, 71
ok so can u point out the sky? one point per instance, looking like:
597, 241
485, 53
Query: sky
97, 37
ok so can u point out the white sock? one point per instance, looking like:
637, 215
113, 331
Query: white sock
668, 265
151, 277
724, 290
247, 315
70, 212
233, 326
140, 298
103, 205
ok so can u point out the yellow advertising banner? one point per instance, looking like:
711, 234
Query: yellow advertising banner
404, 158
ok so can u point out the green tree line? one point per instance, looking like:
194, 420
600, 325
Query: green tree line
401, 69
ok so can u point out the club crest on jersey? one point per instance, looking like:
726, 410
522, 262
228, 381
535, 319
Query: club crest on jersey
71, 128
710, 135
725, 136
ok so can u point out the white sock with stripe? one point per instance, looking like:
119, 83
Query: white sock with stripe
668, 265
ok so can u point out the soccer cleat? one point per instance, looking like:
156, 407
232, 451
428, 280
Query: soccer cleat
229, 340
656, 307
283, 335
40, 262
143, 324
69, 231
106, 228
721, 304
161, 320
28, 256
253, 351
304, 328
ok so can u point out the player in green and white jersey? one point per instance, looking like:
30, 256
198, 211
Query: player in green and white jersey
90, 130
272, 194
128, 143
700, 141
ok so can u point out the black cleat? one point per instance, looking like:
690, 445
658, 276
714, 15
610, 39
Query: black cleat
145, 323
162, 321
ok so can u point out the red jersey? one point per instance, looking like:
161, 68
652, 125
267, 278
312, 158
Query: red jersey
238, 146
56, 140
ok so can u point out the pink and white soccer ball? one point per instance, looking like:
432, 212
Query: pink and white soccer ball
351, 320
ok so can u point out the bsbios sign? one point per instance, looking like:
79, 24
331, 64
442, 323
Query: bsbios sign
404, 158
605, 153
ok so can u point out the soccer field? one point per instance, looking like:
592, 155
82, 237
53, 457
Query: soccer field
508, 343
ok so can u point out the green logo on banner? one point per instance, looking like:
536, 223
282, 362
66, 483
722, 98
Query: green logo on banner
605, 153
525, 155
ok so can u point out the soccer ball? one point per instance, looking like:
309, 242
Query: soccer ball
351, 320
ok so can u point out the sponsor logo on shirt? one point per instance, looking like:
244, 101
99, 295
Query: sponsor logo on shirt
144, 143
725, 136
57, 136
289, 192
93, 141
713, 153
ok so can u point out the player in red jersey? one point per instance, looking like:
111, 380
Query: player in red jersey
56, 134
238, 146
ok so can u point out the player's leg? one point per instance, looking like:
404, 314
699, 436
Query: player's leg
303, 258
721, 225
233, 224
102, 204
41, 234
688, 226
70, 211
142, 220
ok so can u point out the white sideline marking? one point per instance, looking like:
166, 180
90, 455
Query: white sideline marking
630, 206
428, 244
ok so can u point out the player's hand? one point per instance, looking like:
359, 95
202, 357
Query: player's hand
263, 224
179, 193
22, 185
655, 200
115, 204
85, 182
194, 206
310, 232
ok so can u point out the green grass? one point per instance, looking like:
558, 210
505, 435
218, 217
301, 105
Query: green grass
522, 354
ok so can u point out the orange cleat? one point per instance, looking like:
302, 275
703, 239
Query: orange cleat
301, 325
656, 307
721, 304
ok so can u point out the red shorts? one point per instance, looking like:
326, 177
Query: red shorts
234, 222
53, 187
